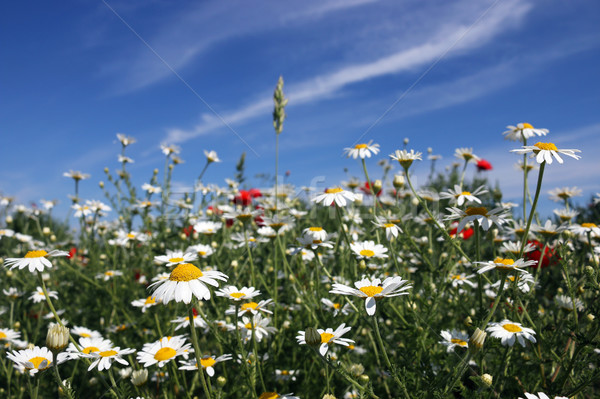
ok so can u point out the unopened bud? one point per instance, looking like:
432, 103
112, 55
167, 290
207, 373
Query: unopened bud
46, 231
377, 184
363, 379
398, 181
487, 380
476, 341
221, 381
139, 377
57, 338
312, 336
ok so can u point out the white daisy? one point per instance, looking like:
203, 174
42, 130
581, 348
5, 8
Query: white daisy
145, 303
275, 395
207, 228
184, 322
8, 335
211, 156
235, 294
458, 196
368, 249
389, 226
175, 257
328, 337
336, 307
251, 307
107, 275
34, 260
540, 395
38, 296
202, 250
85, 332
362, 151
125, 140
32, 360
462, 278
185, 280
335, 194
466, 154
373, 290
207, 363
522, 132
406, 158
453, 339
544, 152
506, 265
163, 350
257, 325
508, 331
484, 216
88, 346
566, 303
104, 359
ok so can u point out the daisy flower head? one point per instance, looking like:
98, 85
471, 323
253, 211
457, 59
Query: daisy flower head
522, 132
406, 158
163, 350
207, 363
466, 154
203, 251
256, 325
34, 260
125, 140
545, 152
8, 335
275, 395
85, 332
586, 228
509, 332
175, 257
337, 195
168, 150
460, 279
150, 189
336, 307
566, 303
211, 156
453, 339
184, 281
373, 290
285, 375
362, 150
480, 214
391, 229
279, 223
207, 228
109, 274
315, 233
145, 303
309, 242
506, 265
235, 294
251, 307
76, 175
184, 322
33, 360
328, 337
88, 346
563, 194
368, 249
38, 296
104, 359
459, 196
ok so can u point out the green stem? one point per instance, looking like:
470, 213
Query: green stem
532, 211
387, 359
197, 353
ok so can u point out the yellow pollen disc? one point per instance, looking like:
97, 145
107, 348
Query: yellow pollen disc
36, 254
367, 252
371, 290
337, 306
315, 228
588, 225
85, 335
36, 361
317, 241
164, 354
109, 273
248, 326
249, 306
458, 342
202, 253
185, 272
326, 337
90, 349
269, 395
465, 193
546, 146
457, 277
359, 146
176, 260
108, 353
150, 300
333, 190
252, 239
513, 328
122, 327
389, 225
2, 335
207, 362
237, 295
507, 262
511, 278
527, 126
351, 347
130, 235
476, 210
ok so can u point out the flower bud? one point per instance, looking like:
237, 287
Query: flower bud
377, 184
221, 381
363, 379
139, 377
57, 338
487, 380
312, 336
328, 396
476, 341
46, 231
398, 181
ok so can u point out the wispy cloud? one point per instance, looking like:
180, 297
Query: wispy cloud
328, 84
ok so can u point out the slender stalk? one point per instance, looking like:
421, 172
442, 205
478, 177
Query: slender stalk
525, 173
198, 355
387, 359
532, 211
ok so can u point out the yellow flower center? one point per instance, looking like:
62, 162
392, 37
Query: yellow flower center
506, 262
359, 146
237, 295
371, 290
165, 354
588, 225
248, 326
109, 273
527, 126
315, 228
337, 306
285, 372
513, 328
457, 277
249, 306
131, 235
334, 190
201, 253
476, 210
351, 347
90, 349
389, 225
367, 252
458, 342
269, 395
108, 353
326, 337
85, 335
176, 260
465, 193
36, 254
36, 361
511, 278
546, 146
207, 362
185, 272
150, 301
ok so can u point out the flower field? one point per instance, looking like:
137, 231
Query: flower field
366, 290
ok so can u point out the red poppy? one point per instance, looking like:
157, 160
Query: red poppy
367, 189
245, 197
72, 252
550, 258
465, 234
482, 164
188, 230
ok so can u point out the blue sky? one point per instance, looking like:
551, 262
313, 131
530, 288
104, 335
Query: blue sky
443, 74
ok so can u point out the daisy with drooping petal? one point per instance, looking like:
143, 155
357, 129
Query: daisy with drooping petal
34, 260
506, 265
328, 337
508, 332
175, 258
406, 158
285, 375
107, 275
466, 154
251, 308
391, 229
163, 350
566, 303
88, 346
544, 152
337, 195
373, 290
184, 322
207, 363
362, 151
211, 156
336, 307
32, 360
235, 294
104, 359
256, 325
38, 296
315, 233
563, 194
145, 303
586, 228
185, 280
458, 196
522, 132
515, 248
484, 216
453, 339
125, 140
368, 249
462, 278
